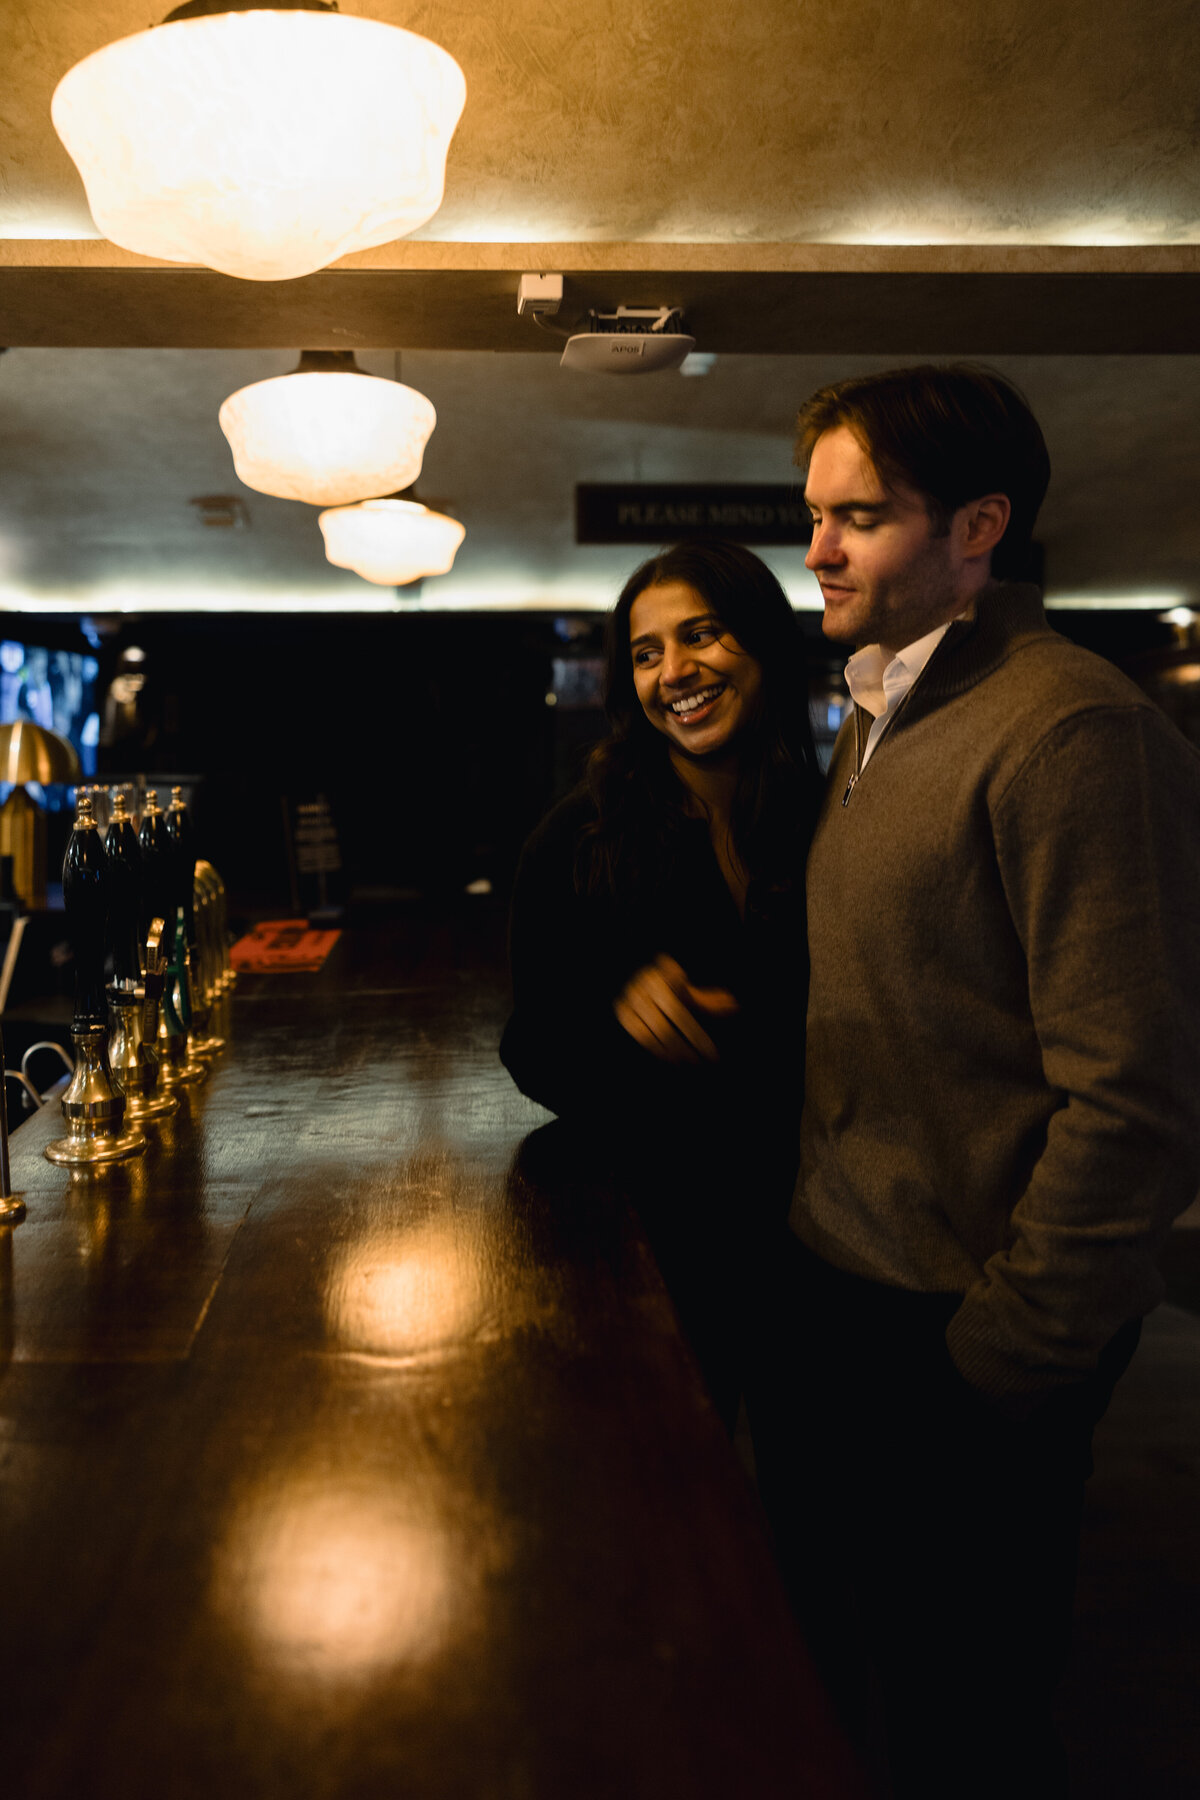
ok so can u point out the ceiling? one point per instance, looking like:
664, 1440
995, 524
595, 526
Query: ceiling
823, 189
849, 121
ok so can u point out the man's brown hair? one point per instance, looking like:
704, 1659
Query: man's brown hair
954, 432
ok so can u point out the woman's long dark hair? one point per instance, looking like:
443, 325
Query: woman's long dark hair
640, 801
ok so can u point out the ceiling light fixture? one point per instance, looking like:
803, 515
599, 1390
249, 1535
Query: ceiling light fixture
261, 141
327, 433
391, 542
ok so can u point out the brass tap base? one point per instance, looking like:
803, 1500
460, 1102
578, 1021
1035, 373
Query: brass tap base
150, 1106
12, 1210
94, 1108
172, 1075
175, 1064
98, 1147
209, 1046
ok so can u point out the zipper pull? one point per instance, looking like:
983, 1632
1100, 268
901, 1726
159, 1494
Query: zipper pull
850, 787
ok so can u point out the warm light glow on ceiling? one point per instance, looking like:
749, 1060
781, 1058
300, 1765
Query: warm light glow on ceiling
182, 597
934, 221
65, 228
476, 593
1114, 602
264, 144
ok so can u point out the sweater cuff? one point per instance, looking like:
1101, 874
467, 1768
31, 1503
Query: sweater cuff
997, 1373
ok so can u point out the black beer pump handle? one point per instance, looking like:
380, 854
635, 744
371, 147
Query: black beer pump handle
85, 897
156, 868
183, 836
124, 855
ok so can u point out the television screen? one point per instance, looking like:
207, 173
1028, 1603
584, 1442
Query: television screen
57, 689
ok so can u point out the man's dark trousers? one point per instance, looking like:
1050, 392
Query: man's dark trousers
929, 1541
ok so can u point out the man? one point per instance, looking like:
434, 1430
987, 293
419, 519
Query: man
1003, 1103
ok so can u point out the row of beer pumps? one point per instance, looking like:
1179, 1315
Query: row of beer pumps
140, 895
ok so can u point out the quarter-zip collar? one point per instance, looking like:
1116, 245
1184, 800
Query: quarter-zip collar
1005, 615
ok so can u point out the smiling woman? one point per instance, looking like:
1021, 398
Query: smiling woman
695, 682
657, 935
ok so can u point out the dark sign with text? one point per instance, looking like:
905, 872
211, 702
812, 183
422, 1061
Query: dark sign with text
747, 512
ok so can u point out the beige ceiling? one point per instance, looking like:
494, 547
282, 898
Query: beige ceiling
777, 120
821, 187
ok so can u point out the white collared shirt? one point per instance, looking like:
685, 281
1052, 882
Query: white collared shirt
879, 688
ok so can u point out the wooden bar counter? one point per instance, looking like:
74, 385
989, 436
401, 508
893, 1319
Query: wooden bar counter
348, 1446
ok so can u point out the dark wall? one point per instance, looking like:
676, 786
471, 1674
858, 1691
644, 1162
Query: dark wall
428, 733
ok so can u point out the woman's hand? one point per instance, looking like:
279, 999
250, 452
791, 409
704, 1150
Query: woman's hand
658, 1007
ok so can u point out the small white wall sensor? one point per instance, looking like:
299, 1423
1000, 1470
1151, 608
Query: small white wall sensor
539, 294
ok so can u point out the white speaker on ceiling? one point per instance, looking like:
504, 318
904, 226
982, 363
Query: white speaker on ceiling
638, 343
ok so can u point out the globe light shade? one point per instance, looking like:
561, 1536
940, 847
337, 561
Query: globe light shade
391, 542
263, 144
327, 433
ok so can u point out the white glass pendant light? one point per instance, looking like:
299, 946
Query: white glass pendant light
327, 433
390, 541
262, 141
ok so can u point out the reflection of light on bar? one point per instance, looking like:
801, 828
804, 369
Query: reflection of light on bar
335, 1583
398, 1293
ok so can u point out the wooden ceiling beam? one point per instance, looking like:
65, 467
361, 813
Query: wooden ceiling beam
903, 300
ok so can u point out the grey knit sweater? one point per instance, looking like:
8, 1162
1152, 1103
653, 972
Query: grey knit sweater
1003, 1092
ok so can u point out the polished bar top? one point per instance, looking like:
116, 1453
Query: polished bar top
348, 1446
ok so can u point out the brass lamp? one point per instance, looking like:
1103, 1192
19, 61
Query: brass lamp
29, 752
